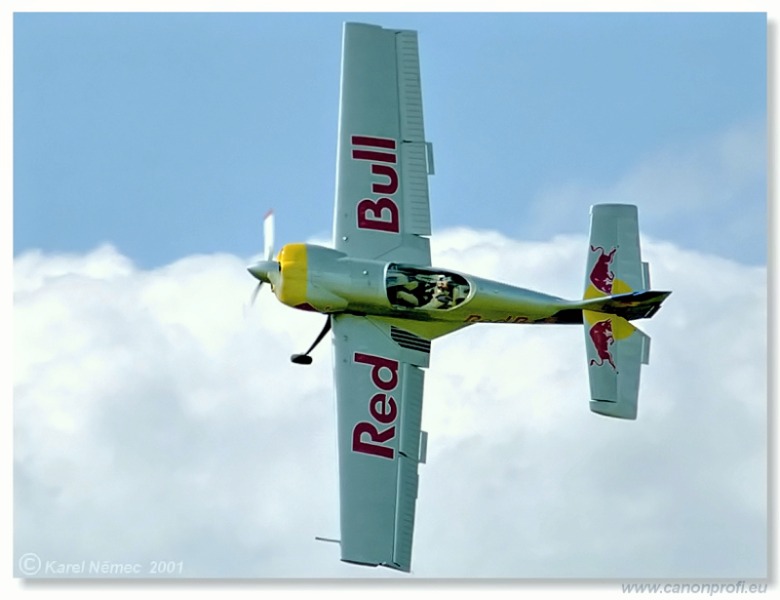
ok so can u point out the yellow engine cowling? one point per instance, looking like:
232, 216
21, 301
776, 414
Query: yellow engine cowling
297, 288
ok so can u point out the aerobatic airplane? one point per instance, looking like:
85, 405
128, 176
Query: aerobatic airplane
385, 302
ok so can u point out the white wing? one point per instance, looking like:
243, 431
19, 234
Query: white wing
382, 209
379, 393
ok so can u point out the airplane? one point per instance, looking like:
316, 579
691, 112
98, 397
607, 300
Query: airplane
385, 302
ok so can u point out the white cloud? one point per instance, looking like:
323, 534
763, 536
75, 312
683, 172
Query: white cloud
153, 420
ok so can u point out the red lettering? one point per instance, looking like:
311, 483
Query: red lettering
508, 319
375, 448
377, 363
381, 214
373, 155
391, 187
383, 409
374, 142
376, 221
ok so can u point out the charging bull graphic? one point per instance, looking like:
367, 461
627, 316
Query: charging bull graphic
602, 337
601, 276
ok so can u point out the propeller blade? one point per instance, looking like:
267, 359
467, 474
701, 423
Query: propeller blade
268, 235
265, 270
255, 293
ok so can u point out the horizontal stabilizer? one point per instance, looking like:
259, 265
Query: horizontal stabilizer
616, 350
614, 264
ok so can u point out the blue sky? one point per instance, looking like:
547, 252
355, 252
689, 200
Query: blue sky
172, 134
153, 417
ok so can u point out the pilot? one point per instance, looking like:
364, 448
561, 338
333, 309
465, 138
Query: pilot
442, 293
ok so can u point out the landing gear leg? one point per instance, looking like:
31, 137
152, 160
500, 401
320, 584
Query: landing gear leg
305, 359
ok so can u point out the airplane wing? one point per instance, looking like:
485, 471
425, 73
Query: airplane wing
383, 162
379, 391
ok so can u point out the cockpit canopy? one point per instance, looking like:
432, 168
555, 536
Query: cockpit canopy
426, 289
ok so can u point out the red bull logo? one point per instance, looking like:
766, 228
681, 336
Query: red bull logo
601, 276
602, 337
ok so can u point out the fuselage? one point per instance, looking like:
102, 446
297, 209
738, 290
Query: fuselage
324, 280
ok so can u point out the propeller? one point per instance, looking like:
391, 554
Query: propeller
266, 270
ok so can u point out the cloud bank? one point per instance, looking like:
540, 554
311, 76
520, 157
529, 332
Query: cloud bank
155, 419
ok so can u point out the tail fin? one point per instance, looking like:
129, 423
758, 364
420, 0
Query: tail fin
630, 306
616, 290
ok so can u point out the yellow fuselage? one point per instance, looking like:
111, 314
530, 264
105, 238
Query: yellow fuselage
324, 280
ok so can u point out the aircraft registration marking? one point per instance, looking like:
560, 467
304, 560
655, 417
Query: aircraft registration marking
382, 407
380, 214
